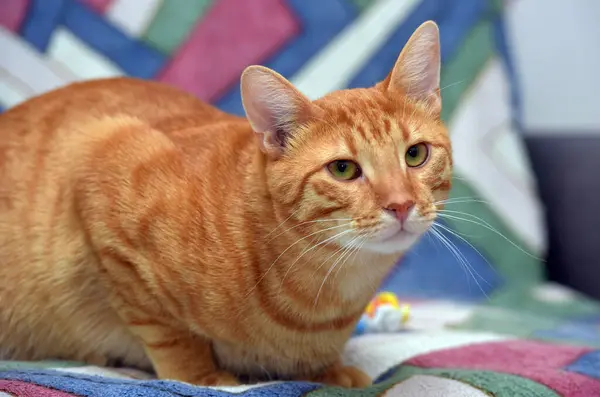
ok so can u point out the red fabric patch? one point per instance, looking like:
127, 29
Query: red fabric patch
12, 13
232, 35
538, 361
99, 6
22, 389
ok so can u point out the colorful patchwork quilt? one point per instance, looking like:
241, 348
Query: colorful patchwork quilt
474, 316
443, 348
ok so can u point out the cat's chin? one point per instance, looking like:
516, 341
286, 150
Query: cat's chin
397, 243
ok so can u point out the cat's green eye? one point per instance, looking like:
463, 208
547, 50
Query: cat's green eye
416, 155
344, 170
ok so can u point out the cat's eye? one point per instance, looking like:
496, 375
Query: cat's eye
417, 155
344, 170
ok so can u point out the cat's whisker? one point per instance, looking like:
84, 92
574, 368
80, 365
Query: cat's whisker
358, 246
489, 227
452, 85
308, 250
455, 234
447, 211
289, 247
347, 248
262, 367
460, 258
456, 200
284, 221
438, 92
308, 223
328, 258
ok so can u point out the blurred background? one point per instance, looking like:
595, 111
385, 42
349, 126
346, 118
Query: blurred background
519, 90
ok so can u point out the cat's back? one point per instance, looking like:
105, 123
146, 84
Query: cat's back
43, 139
44, 258
157, 104
55, 125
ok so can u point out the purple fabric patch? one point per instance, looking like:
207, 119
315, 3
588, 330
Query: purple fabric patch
538, 361
22, 389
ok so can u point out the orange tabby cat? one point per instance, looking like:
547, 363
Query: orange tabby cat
139, 224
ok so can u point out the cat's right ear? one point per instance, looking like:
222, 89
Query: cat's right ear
416, 74
274, 108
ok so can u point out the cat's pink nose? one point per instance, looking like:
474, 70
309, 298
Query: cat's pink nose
401, 210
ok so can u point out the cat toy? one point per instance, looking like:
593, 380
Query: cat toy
385, 313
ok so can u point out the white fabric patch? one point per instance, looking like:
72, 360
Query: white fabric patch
437, 315
12, 91
133, 16
554, 293
376, 353
27, 65
84, 62
432, 386
347, 53
487, 152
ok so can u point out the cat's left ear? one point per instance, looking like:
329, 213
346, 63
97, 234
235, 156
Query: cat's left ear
274, 108
416, 74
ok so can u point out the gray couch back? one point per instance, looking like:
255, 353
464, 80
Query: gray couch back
568, 172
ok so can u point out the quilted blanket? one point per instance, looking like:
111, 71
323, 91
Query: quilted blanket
442, 350
475, 317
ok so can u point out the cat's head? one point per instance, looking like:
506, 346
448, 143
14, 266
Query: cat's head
361, 166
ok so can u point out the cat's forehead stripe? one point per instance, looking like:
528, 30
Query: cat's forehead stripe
350, 143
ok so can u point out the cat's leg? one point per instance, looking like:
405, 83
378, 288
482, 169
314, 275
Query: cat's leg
344, 376
184, 357
175, 351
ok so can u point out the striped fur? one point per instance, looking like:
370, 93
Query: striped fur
138, 224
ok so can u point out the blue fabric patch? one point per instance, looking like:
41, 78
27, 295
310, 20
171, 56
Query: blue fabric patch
503, 48
592, 319
387, 374
454, 22
43, 16
383, 60
134, 57
319, 25
431, 270
588, 364
95, 386
578, 331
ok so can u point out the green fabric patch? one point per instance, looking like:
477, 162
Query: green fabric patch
47, 364
459, 73
496, 384
519, 314
375, 390
525, 301
458, 76
362, 4
515, 266
173, 23
507, 322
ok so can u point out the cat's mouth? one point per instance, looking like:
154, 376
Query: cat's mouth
392, 236
393, 239
399, 235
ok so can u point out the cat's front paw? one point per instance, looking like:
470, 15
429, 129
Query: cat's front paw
217, 378
343, 376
